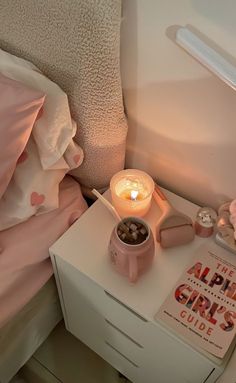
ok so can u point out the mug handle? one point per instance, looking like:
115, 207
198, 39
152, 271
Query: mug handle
133, 269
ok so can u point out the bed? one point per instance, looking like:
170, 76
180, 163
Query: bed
29, 328
30, 306
75, 45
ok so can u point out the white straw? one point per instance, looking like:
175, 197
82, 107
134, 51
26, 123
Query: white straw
107, 204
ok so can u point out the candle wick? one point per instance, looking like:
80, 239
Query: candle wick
133, 195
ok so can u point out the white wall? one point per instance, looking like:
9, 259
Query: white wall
182, 119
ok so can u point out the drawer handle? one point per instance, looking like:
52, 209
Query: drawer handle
205, 381
123, 333
120, 353
127, 308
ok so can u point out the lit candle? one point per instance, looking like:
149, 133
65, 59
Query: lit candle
131, 192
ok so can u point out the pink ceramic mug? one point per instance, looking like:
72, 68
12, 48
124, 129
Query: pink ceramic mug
132, 259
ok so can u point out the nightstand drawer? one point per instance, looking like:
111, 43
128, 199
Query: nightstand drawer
124, 318
101, 321
116, 357
101, 301
86, 322
139, 374
90, 327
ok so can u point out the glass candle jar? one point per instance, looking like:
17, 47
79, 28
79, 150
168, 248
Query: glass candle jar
131, 192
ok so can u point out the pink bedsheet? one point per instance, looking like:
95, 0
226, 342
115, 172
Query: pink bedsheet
25, 265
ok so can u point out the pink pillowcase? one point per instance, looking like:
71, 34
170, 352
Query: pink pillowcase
19, 107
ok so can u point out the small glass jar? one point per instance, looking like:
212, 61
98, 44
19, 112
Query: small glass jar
205, 222
131, 192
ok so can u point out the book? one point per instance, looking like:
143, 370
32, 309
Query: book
202, 306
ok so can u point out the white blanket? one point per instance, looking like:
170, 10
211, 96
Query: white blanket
49, 154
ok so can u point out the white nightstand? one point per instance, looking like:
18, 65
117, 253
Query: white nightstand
114, 317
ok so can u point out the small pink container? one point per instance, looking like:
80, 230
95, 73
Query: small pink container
128, 259
205, 222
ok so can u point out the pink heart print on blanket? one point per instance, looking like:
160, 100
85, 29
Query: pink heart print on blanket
37, 199
77, 159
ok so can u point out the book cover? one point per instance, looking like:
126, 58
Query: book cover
202, 305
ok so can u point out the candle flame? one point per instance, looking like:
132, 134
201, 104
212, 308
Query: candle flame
133, 195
